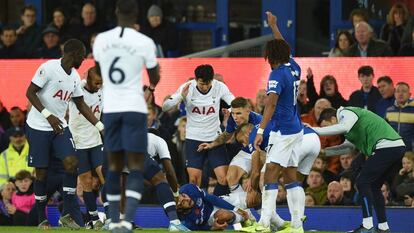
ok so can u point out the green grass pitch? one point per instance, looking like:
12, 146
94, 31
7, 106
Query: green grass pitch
63, 230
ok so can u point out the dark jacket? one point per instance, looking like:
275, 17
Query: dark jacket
12, 52
383, 104
165, 35
376, 48
357, 99
52, 53
407, 49
30, 40
336, 100
84, 33
392, 35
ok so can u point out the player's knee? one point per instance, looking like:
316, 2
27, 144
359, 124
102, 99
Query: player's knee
222, 180
41, 174
223, 216
231, 177
70, 164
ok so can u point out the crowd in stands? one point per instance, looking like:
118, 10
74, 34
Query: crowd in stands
30, 40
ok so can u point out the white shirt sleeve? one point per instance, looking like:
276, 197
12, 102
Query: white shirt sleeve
341, 149
78, 89
174, 99
346, 120
161, 148
96, 49
151, 56
227, 96
41, 76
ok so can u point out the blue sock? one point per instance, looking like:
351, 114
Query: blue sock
90, 203
166, 199
133, 193
104, 200
39, 187
221, 190
69, 189
113, 194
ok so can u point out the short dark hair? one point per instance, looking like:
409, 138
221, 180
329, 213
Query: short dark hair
277, 51
23, 174
29, 7
404, 84
240, 102
386, 79
314, 169
127, 8
204, 72
73, 45
16, 108
8, 28
360, 12
327, 114
348, 36
365, 70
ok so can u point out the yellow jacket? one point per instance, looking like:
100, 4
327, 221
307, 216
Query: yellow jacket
11, 162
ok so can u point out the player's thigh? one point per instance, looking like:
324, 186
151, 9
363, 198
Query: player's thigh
282, 149
308, 152
151, 168
377, 165
217, 157
84, 161
242, 160
194, 158
63, 145
134, 132
40, 147
113, 129
96, 156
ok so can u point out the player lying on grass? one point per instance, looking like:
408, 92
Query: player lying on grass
198, 210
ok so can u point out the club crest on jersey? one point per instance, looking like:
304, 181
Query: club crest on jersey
203, 110
65, 96
273, 83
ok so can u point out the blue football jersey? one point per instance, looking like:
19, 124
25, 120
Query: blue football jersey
254, 118
265, 141
284, 81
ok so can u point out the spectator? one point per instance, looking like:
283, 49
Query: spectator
358, 16
346, 183
401, 114
408, 31
178, 150
309, 200
60, 22
163, 32
368, 96
346, 161
23, 201
408, 48
261, 98
335, 195
343, 42
407, 168
386, 193
51, 47
304, 104
317, 186
4, 117
405, 190
320, 163
93, 37
169, 119
386, 89
6, 192
88, 26
28, 34
393, 29
312, 119
328, 90
366, 45
10, 49
17, 119
15, 157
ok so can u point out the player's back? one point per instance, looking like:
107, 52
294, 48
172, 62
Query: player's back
284, 81
121, 54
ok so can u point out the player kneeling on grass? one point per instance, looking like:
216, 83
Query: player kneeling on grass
198, 210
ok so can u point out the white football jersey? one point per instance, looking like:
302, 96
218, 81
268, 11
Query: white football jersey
121, 54
157, 147
57, 89
85, 135
203, 123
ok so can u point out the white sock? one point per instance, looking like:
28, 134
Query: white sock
121, 216
367, 223
277, 220
296, 204
383, 226
236, 188
175, 221
268, 206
